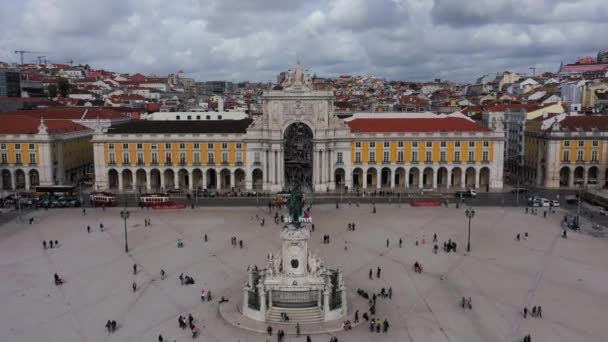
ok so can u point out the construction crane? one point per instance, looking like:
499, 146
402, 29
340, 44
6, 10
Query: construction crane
41, 58
71, 61
22, 52
533, 71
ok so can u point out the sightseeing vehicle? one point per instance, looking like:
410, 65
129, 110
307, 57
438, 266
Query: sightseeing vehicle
103, 199
159, 201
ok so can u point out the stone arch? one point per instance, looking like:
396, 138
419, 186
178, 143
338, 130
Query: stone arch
340, 178
457, 177
258, 179
357, 178
442, 177
183, 179
239, 179
579, 175
7, 182
197, 179
211, 176
169, 178
564, 177
414, 179
400, 178
34, 178
385, 177
141, 179
427, 177
225, 179
372, 177
155, 179
113, 179
469, 177
19, 179
592, 175
298, 155
127, 179
484, 178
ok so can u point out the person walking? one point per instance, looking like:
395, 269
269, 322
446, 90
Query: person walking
89, 229
371, 274
134, 268
134, 287
525, 312
400, 242
378, 272
387, 243
162, 274
356, 320
297, 329
390, 293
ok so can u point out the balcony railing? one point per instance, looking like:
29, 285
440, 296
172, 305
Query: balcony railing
386, 162
18, 163
371, 162
239, 163
485, 162
168, 163
33, 164
154, 163
224, 163
211, 163
443, 162
428, 162
414, 162
566, 161
339, 162
140, 163
471, 162
400, 161
456, 162
257, 163
196, 163
182, 162
112, 163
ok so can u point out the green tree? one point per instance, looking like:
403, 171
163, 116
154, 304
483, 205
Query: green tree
63, 85
52, 90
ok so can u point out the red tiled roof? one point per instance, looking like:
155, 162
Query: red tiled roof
585, 123
69, 113
584, 67
22, 124
415, 125
410, 99
503, 107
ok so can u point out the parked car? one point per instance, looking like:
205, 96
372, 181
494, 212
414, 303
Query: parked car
425, 190
555, 203
467, 193
519, 191
545, 202
602, 211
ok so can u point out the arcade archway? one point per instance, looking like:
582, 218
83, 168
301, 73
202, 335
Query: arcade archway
298, 147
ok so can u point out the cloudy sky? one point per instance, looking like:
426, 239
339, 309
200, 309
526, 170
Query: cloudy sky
255, 39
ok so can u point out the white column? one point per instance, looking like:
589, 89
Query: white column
476, 179
27, 180
449, 179
315, 168
571, 178
204, 179
148, 180
232, 184
421, 179
120, 181
435, 176
162, 181
585, 176
190, 180
330, 173
391, 179
175, 180
463, 179
321, 168
406, 178
378, 179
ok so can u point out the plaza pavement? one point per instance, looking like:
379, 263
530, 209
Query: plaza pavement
566, 276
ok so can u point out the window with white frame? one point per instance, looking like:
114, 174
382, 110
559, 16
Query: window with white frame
17, 146
168, 158
168, 146
372, 156
256, 157
457, 143
182, 157
140, 157
429, 144
224, 157
210, 146
471, 144
125, 146
358, 144
112, 158
400, 156
444, 144
594, 155
595, 143
211, 158
485, 156
32, 158
197, 146
372, 144
429, 156
111, 146
140, 146
357, 157
239, 156
32, 147
197, 157
414, 144
154, 157
566, 155
239, 146
339, 157
153, 146
414, 156
400, 144
457, 156
579, 155
182, 146
224, 146
442, 156
386, 158
125, 158
386, 144
567, 143
18, 158
471, 156
581, 143
486, 143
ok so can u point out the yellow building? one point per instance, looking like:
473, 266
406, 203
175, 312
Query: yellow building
37, 152
567, 151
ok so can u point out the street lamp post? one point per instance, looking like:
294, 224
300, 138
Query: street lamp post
125, 215
469, 213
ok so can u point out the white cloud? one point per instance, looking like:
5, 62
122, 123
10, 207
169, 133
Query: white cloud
244, 39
